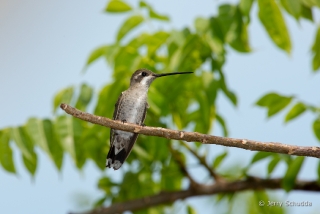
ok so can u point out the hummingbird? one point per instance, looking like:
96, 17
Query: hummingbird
131, 107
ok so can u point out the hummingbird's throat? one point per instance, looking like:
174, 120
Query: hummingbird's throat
146, 81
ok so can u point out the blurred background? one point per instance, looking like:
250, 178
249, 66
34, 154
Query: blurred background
44, 46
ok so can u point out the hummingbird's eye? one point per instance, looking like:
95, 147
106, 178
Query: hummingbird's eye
144, 74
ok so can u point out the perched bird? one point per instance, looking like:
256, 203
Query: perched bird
131, 107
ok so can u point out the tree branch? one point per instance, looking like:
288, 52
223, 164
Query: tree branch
195, 136
251, 183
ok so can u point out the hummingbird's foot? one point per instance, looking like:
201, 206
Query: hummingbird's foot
123, 121
143, 125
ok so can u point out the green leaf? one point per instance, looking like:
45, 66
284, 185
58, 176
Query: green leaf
273, 163
221, 121
274, 102
245, 6
254, 203
260, 156
94, 145
141, 152
42, 133
226, 17
293, 7
64, 132
225, 196
287, 158
237, 36
143, 4
217, 46
77, 131
96, 54
168, 172
84, 97
232, 97
296, 110
35, 129
116, 6
152, 13
230, 27
218, 160
191, 210
271, 17
110, 53
100, 201
316, 128
132, 185
201, 24
191, 55
155, 41
306, 13
126, 59
289, 179
104, 184
155, 15
31, 165
204, 107
311, 3
128, 25
104, 95
54, 146
105, 51
63, 96
268, 99
316, 51
24, 143
6, 158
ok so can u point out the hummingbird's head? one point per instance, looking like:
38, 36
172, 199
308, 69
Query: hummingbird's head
144, 77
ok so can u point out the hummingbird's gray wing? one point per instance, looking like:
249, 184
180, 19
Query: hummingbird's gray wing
114, 117
135, 136
121, 142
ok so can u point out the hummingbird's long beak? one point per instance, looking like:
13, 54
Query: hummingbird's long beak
173, 73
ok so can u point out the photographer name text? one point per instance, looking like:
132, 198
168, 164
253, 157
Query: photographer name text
289, 204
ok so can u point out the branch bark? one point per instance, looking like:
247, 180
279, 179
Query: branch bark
195, 136
251, 183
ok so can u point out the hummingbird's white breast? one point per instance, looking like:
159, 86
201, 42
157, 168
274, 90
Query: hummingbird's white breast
133, 106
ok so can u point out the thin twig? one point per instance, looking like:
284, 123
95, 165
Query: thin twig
177, 158
309, 151
204, 163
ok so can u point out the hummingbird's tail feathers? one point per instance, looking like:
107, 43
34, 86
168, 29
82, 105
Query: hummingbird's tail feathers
115, 161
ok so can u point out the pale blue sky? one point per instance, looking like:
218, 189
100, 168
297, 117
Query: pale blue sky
44, 45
